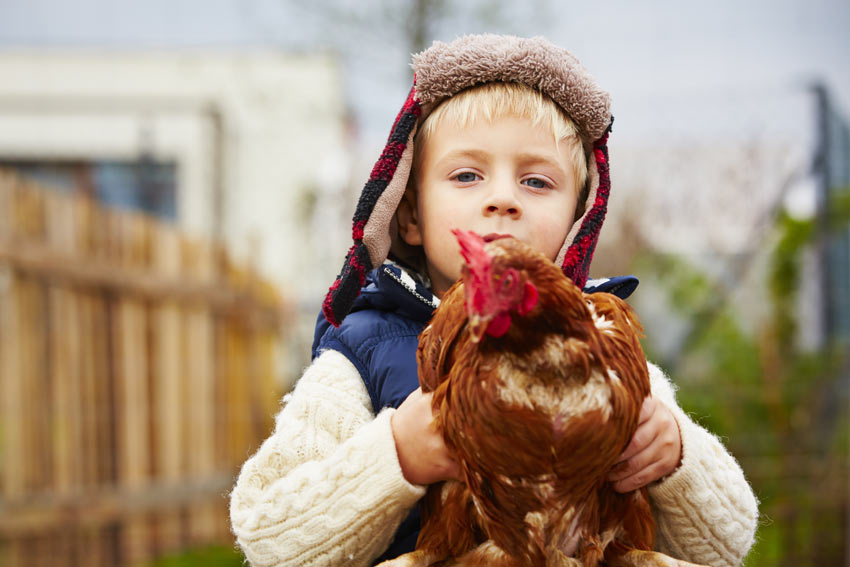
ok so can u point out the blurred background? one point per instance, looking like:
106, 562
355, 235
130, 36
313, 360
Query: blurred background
176, 183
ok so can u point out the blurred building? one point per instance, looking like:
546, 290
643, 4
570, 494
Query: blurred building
248, 147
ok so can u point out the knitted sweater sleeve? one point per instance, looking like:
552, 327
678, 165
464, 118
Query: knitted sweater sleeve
326, 487
705, 510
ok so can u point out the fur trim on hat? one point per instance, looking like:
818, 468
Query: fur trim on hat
445, 69
442, 71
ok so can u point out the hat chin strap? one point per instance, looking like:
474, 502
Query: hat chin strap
593, 187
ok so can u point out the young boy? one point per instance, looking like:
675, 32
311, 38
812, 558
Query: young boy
499, 135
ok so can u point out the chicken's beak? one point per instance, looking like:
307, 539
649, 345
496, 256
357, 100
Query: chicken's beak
477, 327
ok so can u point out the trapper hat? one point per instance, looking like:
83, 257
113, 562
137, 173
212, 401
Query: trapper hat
442, 71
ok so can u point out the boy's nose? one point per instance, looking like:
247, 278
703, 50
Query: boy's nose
502, 201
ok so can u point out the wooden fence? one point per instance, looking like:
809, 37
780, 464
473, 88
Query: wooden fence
136, 374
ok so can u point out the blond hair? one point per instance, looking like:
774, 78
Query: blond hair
492, 101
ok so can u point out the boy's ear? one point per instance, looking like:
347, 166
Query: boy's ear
407, 215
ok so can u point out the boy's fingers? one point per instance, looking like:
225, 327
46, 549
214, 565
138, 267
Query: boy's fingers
633, 465
644, 436
670, 440
639, 479
647, 409
422, 453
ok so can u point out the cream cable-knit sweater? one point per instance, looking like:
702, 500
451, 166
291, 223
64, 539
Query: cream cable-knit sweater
326, 488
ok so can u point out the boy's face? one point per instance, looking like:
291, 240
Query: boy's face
507, 177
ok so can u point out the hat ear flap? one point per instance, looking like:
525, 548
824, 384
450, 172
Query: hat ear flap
375, 212
376, 232
577, 251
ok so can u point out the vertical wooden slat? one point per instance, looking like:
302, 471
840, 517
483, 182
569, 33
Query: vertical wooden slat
103, 429
35, 458
12, 466
63, 341
167, 384
198, 370
38, 458
89, 410
91, 415
132, 392
90, 541
102, 347
237, 398
12, 442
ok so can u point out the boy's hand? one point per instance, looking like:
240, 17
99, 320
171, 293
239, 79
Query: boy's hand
654, 451
422, 453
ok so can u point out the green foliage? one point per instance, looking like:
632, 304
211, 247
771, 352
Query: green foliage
214, 556
785, 275
780, 410
688, 288
838, 212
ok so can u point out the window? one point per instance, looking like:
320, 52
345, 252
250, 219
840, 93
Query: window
144, 185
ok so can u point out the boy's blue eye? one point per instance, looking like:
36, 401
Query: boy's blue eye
536, 183
466, 177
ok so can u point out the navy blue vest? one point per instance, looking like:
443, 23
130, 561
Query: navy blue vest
380, 337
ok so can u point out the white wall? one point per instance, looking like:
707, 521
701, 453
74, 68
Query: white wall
266, 127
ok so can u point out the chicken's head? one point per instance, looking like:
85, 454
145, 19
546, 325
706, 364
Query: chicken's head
495, 289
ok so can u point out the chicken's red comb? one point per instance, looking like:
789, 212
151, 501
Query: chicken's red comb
472, 249
479, 263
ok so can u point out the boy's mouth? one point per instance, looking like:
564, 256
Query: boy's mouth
495, 236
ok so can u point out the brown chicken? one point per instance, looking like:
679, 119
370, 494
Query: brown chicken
537, 390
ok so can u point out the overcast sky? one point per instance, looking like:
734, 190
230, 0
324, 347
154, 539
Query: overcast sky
650, 54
